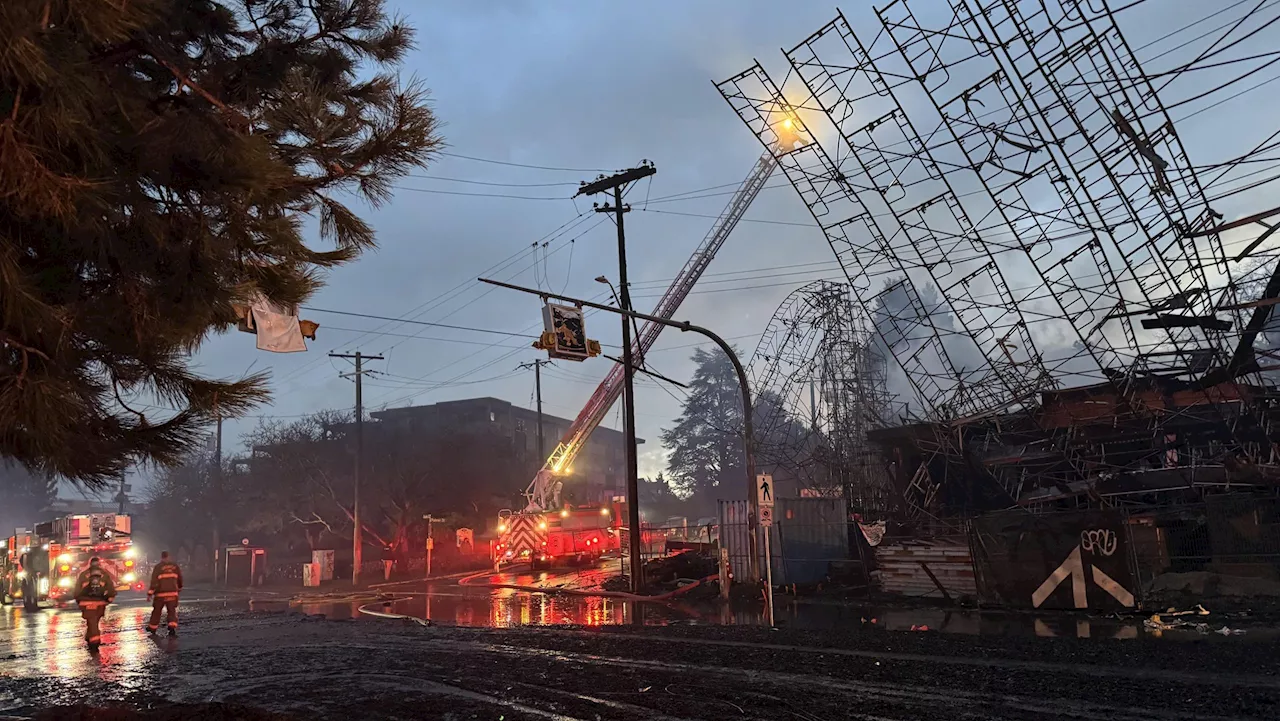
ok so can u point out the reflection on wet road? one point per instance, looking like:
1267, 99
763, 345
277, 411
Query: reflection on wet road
54, 640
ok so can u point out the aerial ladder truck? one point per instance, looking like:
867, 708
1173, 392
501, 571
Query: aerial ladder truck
547, 530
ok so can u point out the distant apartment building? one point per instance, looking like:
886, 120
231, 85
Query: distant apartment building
596, 475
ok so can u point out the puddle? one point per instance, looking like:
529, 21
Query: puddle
504, 610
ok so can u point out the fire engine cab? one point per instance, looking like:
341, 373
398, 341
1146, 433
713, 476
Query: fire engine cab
572, 535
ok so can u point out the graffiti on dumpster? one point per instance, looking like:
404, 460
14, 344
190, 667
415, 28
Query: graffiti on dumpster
1098, 540
1066, 560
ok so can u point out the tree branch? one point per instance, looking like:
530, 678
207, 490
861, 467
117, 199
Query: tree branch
25, 350
232, 115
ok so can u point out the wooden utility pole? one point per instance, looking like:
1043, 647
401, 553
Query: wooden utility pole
359, 372
537, 385
616, 184
217, 491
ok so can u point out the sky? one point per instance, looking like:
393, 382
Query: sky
594, 87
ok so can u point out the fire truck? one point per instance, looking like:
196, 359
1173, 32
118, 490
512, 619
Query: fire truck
546, 529
24, 569
49, 560
574, 535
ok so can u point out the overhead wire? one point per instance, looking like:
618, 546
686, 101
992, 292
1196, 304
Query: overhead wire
523, 165
437, 300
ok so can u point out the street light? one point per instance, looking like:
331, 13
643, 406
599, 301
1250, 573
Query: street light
635, 327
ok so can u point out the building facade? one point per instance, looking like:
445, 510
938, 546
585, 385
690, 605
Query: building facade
595, 476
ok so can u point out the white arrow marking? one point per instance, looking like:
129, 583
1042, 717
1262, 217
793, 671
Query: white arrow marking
1109, 585
1071, 567
1074, 568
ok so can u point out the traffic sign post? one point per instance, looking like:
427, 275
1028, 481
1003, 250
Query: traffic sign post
431, 542
764, 502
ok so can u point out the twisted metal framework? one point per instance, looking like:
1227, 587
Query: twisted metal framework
904, 318
1074, 156
1017, 140
817, 362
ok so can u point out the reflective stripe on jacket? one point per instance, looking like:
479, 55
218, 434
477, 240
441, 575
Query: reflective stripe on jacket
166, 579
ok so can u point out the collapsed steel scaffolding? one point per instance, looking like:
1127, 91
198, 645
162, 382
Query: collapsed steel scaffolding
817, 363
1014, 139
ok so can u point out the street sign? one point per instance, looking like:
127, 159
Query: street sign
766, 516
764, 490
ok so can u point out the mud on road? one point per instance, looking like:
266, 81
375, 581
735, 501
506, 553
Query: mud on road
308, 667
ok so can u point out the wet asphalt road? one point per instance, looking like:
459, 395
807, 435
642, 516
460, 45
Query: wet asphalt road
285, 660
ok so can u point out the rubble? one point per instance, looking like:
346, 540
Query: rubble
666, 571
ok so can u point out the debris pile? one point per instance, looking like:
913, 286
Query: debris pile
1174, 619
666, 571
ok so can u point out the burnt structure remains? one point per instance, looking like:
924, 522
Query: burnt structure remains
1035, 272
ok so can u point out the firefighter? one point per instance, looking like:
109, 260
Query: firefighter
95, 588
166, 584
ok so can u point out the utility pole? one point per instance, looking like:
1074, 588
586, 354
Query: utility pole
431, 542
359, 358
121, 497
537, 385
616, 183
217, 490
813, 408
748, 432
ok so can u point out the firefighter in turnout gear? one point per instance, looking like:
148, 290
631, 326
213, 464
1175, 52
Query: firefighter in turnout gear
95, 588
166, 584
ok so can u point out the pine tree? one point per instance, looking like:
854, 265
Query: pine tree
158, 160
707, 458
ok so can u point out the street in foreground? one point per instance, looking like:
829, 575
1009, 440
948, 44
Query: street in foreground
311, 667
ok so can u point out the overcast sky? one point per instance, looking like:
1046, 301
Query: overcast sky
598, 87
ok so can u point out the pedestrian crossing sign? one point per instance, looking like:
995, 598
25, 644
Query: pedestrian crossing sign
764, 490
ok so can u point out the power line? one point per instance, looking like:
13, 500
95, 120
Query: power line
524, 165
493, 184
479, 195
413, 322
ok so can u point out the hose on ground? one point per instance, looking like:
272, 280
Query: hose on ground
395, 616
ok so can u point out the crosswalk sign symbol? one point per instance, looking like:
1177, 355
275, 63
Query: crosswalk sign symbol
764, 489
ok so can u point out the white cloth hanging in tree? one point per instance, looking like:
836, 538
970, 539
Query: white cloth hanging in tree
278, 330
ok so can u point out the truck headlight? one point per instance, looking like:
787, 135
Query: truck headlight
130, 553
64, 582
64, 558
130, 577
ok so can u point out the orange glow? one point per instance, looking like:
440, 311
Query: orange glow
64, 568
128, 564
